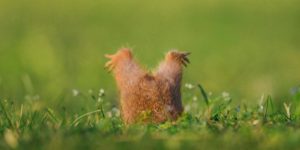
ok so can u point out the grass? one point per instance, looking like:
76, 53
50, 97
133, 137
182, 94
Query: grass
210, 122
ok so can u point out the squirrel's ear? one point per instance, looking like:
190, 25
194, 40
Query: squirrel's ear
184, 59
186, 53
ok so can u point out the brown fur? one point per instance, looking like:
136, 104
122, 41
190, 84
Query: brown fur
144, 96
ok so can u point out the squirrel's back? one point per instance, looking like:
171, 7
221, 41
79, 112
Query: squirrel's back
147, 97
153, 97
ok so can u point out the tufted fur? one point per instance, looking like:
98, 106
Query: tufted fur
148, 97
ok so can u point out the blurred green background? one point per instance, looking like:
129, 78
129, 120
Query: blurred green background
246, 48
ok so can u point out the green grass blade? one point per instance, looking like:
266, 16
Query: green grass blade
52, 115
7, 117
204, 95
85, 115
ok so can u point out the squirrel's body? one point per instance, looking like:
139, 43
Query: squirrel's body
144, 96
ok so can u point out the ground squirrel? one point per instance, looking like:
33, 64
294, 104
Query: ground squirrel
148, 97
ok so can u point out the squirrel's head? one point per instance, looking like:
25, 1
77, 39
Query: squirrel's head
180, 57
119, 56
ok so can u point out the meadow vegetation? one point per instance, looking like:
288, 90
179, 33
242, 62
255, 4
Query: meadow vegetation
209, 122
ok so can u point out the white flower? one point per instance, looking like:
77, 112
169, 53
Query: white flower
187, 108
101, 92
189, 86
195, 98
226, 96
100, 100
261, 108
75, 92
116, 111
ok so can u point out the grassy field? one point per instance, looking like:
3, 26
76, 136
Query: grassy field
208, 123
245, 53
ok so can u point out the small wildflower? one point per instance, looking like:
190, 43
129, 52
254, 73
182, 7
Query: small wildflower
187, 108
189, 86
116, 111
195, 98
101, 92
261, 108
75, 92
226, 96
100, 100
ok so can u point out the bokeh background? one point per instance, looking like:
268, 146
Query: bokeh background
247, 48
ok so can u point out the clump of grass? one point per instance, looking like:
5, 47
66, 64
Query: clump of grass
216, 119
